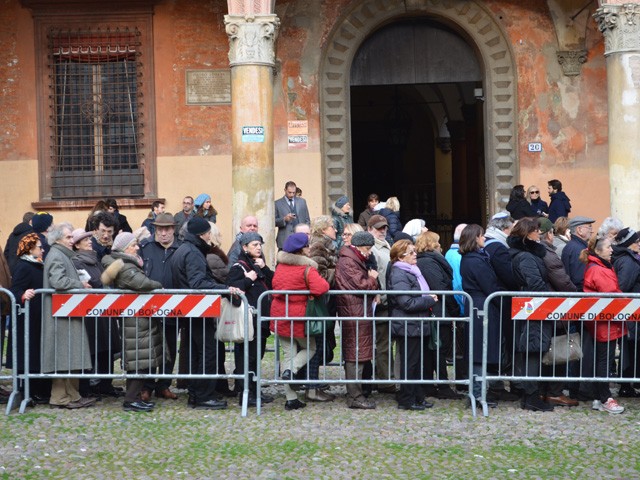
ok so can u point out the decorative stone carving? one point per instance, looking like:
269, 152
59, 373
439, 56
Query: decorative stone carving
571, 61
252, 39
620, 25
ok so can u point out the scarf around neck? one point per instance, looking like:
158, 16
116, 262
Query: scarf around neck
415, 271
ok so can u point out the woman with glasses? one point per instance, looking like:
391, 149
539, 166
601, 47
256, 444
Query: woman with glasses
349, 230
539, 207
413, 336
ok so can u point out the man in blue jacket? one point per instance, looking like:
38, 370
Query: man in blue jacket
560, 205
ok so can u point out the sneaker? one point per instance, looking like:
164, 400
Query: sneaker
596, 405
611, 406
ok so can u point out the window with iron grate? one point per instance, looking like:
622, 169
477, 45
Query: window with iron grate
96, 110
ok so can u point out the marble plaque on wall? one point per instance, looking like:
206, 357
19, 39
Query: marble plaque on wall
208, 87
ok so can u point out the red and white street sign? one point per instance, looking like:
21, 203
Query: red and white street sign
135, 305
574, 308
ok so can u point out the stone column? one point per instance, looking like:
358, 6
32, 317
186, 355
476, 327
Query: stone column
620, 25
252, 59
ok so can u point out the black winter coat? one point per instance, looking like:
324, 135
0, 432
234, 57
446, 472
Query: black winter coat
627, 268
519, 208
103, 331
157, 262
556, 274
571, 260
528, 266
408, 305
393, 219
252, 289
560, 206
501, 262
11, 249
189, 266
538, 207
27, 275
439, 275
479, 280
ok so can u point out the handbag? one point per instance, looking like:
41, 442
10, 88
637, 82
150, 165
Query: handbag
563, 349
316, 307
231, 323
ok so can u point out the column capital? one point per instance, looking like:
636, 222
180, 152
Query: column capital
620, 25
252, 39
571, 61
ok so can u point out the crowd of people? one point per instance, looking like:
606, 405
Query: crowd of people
533, 247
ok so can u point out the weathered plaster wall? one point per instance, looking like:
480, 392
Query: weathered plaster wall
567, 115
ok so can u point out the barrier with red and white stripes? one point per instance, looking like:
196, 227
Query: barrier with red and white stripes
575, 308
135, 305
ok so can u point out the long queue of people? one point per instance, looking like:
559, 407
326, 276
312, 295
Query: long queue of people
328, 252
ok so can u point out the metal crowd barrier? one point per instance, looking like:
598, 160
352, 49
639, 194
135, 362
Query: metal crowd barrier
14, 397
438, 323
114, 306
529, 314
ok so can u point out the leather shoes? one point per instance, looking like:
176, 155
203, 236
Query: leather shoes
317, 395
294, 404
136, 407
362, 405
562, 401
211, 405
415, 407
145, 395
166, 393
425, 403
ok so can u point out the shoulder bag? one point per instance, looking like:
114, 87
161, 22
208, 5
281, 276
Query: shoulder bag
316, 307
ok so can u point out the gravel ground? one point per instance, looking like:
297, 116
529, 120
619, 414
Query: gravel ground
320, 441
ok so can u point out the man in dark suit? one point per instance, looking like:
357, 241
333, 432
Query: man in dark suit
290, 211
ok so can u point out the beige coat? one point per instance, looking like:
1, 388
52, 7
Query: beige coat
65, 344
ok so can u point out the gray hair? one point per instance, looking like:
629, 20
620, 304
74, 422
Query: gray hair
501, 223
610, 224
57, 232
320, 223
216, 239
458, 231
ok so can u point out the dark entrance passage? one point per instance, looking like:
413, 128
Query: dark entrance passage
416, 124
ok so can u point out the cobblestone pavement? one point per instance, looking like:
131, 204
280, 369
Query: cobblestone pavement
321, 441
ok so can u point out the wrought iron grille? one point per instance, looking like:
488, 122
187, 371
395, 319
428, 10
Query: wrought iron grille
95, 120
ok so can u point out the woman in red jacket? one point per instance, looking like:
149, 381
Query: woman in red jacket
600, 276
293, 265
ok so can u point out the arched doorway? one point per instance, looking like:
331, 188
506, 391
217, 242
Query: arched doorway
468, 17
416, 123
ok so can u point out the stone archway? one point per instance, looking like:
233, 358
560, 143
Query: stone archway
499, 87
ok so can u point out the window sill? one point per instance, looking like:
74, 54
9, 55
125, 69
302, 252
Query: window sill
89, 204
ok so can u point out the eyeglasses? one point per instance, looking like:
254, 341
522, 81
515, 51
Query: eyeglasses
347, 234
534, 192
410, 252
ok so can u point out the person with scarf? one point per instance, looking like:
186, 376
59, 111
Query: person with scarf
600, 276
204, 208
341, 214
144, 346
352, 273
413, 336
28, 277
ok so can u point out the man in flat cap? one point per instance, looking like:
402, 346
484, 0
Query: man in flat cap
581, 229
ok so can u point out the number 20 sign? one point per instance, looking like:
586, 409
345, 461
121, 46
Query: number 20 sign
535, 147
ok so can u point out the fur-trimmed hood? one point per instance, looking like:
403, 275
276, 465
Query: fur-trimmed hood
294, 259
111, 272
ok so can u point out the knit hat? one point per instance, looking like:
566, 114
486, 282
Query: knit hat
545, 224
342, 201
80, 234
377, 221
41, 221
248, 237
200, 199
198, 226
122, 241
362, 239
626, 237
295, 242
